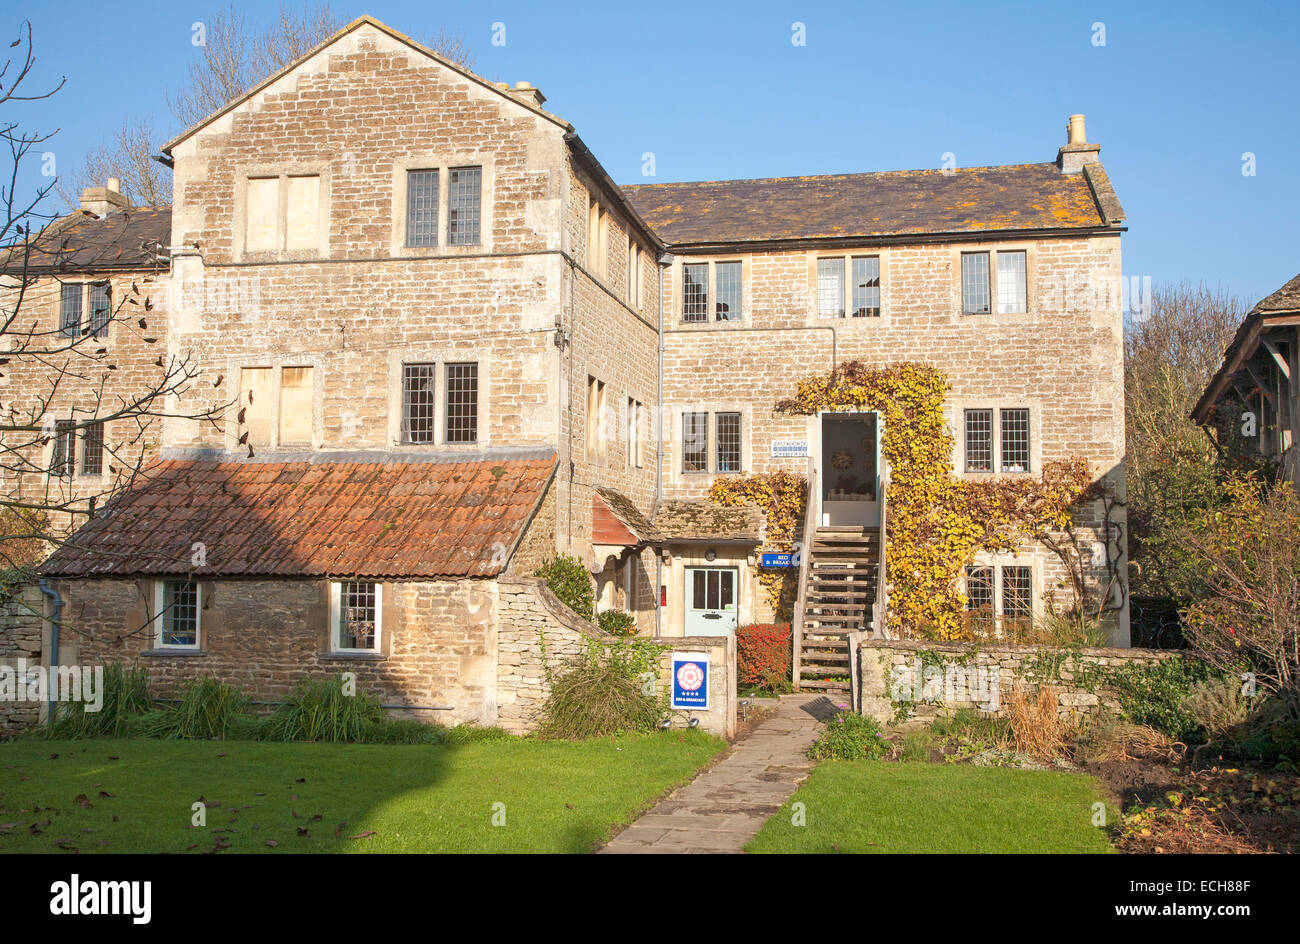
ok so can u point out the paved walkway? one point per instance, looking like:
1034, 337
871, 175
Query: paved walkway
722, 808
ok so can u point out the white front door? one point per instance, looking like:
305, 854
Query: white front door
711, 601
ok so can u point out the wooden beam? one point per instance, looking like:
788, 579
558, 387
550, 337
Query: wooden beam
1282, 365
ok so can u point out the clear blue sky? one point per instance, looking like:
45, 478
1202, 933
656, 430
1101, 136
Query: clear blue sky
1175, 96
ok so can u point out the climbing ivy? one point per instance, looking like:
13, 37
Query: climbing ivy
781, 495
936, 522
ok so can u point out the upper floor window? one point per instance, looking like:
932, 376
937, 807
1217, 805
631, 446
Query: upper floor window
859, 294
726, 439
1012, 445
92, 452
1008, 282
462, 403
419, 402
78, 297
63, 459
282, 213
464, 189
728, 291
421, 208
597, 236
695, 442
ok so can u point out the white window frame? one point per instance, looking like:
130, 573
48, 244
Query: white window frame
336, 614
159, 599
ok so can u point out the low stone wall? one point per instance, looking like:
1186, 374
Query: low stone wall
932, 677
536, 630
20, 647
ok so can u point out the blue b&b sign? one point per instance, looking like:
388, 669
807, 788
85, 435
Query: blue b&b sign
778, 560
691, 681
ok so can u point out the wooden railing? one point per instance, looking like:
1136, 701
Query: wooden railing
805, 562
881, 606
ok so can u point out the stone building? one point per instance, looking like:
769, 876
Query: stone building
445, 346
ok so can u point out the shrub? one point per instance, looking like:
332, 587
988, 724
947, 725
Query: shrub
1152, 695
319, 710
568, 579
207, 709
1110, 739
617, 623
763, 653
1270, 734
1217, 705
126, 697
602, 696
1036, 722
850, 736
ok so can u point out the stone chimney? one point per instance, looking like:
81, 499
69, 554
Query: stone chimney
105, 200
1076, 152
525, 92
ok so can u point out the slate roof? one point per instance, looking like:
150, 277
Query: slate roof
80, 242
616, 520
395, 519
689, 520
895, 203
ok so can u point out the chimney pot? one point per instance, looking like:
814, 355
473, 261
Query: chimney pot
1076, 153
1077, 134
114, 184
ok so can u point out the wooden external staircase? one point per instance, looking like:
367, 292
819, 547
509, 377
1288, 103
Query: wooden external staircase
839, 598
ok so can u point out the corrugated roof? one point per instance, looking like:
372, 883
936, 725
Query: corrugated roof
80, 242
362, 519
912, 202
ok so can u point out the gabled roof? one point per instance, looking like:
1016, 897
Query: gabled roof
1281, 306
1023, 197
692, 520
615, 520
400, 519
82, 242
352, 27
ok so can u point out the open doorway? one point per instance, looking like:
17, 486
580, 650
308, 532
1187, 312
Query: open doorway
850, 492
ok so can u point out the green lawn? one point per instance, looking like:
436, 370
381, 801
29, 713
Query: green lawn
136, 795
876, 806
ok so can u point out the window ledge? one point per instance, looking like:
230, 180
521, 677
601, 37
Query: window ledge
166, 652
353, 657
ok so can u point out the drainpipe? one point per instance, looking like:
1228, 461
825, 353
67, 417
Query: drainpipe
659, 445
55, 621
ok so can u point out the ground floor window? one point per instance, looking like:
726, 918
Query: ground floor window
1012, 585
179, 610
355, 616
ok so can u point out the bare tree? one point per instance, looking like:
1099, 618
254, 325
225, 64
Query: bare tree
129, 156
60, 382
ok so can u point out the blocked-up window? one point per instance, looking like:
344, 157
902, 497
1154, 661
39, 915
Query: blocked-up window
92, 448
979, 440
296, 396
70, 311
462, 403
302, 213
830, 288
1017, 596
1012, 282
419, 405
63, 459
256, 405
634, 410
695, 292
464, 196
422, 208
866, 287
979, 597
179, 619
596, 246
357, 615
595, 419
975, 283
728, 291
633, 274
101, 311
262, 232
1015, 440
728, 437
695, 442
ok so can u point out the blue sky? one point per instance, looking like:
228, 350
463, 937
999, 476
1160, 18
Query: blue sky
1175, 97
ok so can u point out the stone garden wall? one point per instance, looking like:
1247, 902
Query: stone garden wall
536, 630
20, 641
931, 677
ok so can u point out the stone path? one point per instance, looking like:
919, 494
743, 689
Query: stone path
722, 808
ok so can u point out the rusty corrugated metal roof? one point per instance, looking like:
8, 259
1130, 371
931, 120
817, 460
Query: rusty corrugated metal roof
894, 203
346, 518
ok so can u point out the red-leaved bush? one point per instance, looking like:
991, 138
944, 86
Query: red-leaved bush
763, 653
